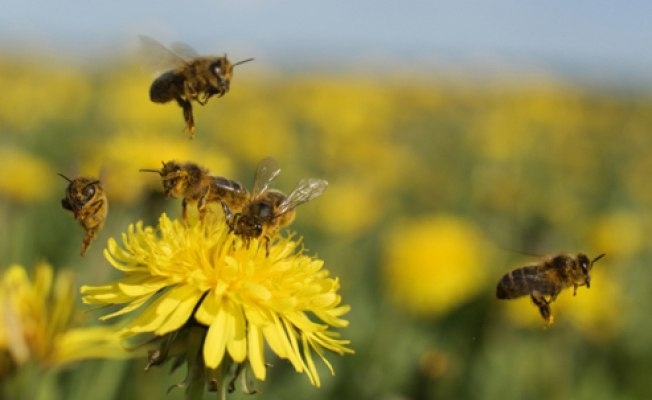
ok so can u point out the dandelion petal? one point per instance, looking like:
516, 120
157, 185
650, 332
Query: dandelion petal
219, 332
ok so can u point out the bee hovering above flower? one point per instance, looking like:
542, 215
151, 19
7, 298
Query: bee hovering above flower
191, 77
547, 278
269, 210
87, 201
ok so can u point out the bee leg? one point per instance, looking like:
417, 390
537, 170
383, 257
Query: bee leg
95, 212
189, 91
544, 307
268, 243
187, 115
229, 216
575, 286
184, 211
201, 207
204, 97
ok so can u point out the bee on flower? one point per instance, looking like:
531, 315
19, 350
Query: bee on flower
200, 294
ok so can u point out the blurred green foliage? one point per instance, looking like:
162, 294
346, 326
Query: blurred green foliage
509, 167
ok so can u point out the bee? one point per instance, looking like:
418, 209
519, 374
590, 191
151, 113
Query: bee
547, 278
87, 200
194, 184
268, 210
193, 78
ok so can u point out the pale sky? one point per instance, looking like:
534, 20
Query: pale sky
603, 36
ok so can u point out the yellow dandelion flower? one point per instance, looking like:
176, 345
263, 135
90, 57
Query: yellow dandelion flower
434, 264
205, 296
26, 177
38, 319
620, 233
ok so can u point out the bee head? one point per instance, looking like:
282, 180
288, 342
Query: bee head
222, 68
223, 71
169, 176
585, 264
79, 192
177, 178
262, 210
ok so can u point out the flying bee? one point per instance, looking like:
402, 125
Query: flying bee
89, 205
194, 184
547, 278
269, 210
193, 78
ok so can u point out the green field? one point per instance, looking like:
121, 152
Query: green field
439, 184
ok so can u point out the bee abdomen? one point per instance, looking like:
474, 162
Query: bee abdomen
516, 283
166, 87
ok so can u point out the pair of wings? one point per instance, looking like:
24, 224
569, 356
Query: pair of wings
159, 57
307, 189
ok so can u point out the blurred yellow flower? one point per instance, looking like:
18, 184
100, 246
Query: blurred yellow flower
251, 128
202, 275
25, 177
351, 208
38, 322
434, 264
343, 107
599, 311
37, 93
620, 233
125, 100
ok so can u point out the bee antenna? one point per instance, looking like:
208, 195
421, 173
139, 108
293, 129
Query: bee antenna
598, 257
243, 61
150, 170
64, 177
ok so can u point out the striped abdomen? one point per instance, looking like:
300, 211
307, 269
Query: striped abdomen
523, 281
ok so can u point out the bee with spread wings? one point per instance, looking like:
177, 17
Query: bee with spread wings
190, 78
269, 210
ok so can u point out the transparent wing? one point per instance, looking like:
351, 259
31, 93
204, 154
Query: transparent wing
267, 170
184, 50
306, 190
158, 57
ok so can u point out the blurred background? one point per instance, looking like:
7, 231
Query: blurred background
460, 140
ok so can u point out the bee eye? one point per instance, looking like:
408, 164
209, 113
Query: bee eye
218, 70
265, 211
168, 184
89, 191
584, 266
